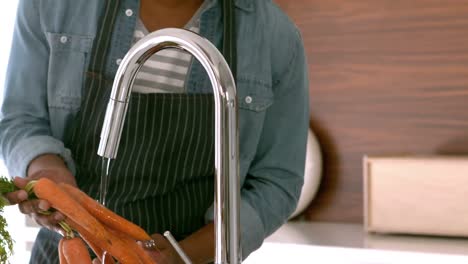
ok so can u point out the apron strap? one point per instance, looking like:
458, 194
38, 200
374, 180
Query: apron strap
103, 38
229, 37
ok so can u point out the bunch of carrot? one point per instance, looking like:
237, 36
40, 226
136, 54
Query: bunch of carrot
105, 232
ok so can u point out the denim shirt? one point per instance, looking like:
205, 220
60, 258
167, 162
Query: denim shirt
51, 47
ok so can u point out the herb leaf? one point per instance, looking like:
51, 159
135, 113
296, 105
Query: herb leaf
6, 242
6, 185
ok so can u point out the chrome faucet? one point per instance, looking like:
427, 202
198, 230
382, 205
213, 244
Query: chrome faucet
227, 183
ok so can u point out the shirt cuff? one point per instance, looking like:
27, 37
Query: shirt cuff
252, 231
30, 148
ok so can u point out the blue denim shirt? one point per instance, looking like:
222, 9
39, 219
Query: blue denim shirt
51, 47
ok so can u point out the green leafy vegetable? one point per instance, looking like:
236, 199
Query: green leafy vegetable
6, 242
6, 185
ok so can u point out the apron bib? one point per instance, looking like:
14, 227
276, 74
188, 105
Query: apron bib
162, 178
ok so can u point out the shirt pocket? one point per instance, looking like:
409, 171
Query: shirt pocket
253, 99
67, 66
253, 96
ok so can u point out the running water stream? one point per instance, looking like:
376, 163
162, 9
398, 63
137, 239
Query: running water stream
105, 165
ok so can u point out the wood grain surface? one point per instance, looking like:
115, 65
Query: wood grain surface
386, 77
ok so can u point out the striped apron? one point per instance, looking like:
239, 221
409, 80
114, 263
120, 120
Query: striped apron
162, 178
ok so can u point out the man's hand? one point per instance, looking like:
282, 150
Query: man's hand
164, 253
199, 247
48, 166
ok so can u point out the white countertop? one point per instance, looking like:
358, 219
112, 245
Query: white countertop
353, 236
332, 243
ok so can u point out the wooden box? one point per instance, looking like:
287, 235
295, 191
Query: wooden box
416, 195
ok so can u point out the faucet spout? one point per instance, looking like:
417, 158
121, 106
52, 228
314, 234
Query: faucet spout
227, 183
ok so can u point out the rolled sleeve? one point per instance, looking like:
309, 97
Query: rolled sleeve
252, 233
29, 148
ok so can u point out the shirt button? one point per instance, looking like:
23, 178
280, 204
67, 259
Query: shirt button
118, 61
248, 99
63, 39
129, 12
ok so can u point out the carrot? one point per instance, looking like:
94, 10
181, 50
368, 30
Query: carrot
105, 215
102, 255
125, 256
97, 250
145, 258
62, 258
84, 222
107, 258
75, 252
